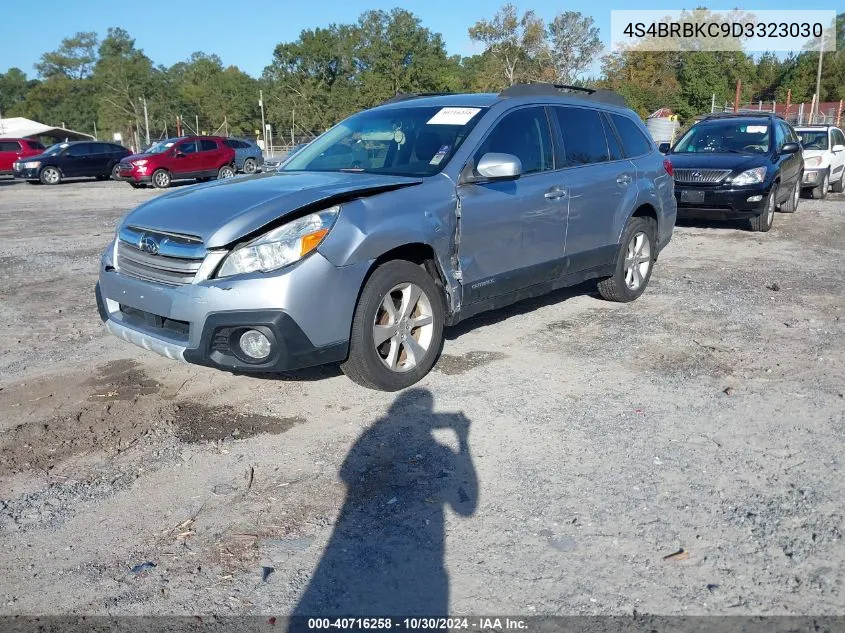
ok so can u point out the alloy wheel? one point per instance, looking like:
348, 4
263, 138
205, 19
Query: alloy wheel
51, 176
161, 179
249, 166
403, 327
770, 210
637, 260
225, 172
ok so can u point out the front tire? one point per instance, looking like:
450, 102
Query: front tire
820, 192
397, 330
763, 222
839, 185
634, 262
161, 179
50, 176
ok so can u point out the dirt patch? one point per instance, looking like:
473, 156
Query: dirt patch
196, 422
456, 365
121, 380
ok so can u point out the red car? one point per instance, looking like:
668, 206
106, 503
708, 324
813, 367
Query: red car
186, 158
12, 149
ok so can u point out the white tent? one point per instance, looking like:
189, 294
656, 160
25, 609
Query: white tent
19, 127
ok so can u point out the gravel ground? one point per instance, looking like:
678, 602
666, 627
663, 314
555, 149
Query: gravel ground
678, 455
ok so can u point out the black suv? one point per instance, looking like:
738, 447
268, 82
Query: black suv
732, 166
78, 159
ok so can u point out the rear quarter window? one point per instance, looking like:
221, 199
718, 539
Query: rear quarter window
35, 145
634, 141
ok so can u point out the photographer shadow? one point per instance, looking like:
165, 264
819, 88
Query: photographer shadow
386, 554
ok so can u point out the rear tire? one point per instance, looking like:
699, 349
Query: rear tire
763, 222
50, 176
115, 172
226, 171
634, 262
402, 308
820, 192
249, 166
791, 205
161, 179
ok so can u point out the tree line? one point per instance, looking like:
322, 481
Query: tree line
330, 72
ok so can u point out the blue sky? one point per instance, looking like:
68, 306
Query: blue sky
245, 34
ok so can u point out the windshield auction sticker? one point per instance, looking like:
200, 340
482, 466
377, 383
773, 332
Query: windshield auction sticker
734, 30
453, 116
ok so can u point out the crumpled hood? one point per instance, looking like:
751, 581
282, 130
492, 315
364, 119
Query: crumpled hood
224, 211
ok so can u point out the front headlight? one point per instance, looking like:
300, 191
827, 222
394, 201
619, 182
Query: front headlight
141, 162
33, 164
751, 176
813, 161
282, 246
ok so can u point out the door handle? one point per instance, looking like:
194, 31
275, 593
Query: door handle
555, 193
624, 180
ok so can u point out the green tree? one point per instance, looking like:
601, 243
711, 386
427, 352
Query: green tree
14, 87
515, 43
572, 43
75, 57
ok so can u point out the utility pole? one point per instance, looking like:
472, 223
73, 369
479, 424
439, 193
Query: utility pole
736, 98
95, 130
146, 120
197, 122
292, 125
815, 111
263, 125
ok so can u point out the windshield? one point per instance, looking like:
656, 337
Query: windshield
412, 141
161, 146
725, 137
813, 139
55, 149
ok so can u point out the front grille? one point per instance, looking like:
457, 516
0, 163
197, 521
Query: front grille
165, 258
701, 176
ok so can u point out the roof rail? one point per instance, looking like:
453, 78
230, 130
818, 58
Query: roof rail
539, 88
405, 96
746, 113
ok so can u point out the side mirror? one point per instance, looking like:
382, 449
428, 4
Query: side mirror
838, 148
663, 148
496, 166
790, 148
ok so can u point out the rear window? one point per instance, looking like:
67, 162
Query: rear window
34, 145
634, 142
583, 136
9, 146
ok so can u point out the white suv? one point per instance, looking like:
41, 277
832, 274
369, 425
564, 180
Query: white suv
824, 159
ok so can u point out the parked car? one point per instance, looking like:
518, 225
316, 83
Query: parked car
78, 159
274, 162
824, 159
248, 156
738, 166
185, 158
397, 222
14, 149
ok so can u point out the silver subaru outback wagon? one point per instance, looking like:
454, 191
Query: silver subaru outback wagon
397, 222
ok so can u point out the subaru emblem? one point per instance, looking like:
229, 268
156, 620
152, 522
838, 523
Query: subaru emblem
148, 244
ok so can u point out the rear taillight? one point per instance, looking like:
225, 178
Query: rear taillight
667, 165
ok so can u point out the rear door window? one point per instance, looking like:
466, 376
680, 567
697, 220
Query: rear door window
80, 149
583, 136
634, 142
9, 146
207, 145
612, 142
525, 134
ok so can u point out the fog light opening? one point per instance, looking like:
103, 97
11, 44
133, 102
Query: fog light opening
254, 344
755, 198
